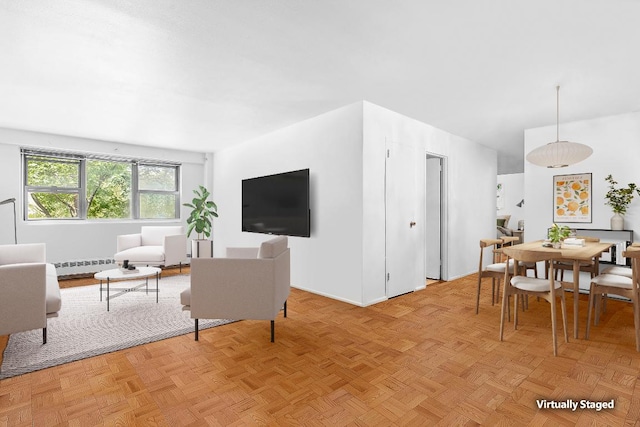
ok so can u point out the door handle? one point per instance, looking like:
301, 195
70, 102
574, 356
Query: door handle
412, 224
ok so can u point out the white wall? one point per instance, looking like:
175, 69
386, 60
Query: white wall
330, 261
470, 181
345, 151
513, 187
78, 240
616, 150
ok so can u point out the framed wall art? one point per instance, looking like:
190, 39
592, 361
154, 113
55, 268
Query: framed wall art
572, 198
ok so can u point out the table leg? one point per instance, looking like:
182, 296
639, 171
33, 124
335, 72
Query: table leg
107, 294
100, 290
157, 277
576, 296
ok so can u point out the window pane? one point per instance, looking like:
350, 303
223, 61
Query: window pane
157, 205
108, 189
53, 205
156, 178
53, 172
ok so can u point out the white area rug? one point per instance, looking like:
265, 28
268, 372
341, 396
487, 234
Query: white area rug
84, 328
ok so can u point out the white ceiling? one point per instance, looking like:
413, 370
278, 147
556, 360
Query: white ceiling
203, 74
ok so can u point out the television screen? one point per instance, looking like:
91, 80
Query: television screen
277, 204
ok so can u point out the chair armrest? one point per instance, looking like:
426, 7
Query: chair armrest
245, 253
128, 241
22, 253
22, 297
175, 249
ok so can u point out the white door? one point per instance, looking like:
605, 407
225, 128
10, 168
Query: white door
404, 262
433, 218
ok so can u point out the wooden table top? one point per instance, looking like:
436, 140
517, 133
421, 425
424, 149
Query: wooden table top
587, 252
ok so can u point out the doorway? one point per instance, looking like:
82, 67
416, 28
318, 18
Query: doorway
434, 214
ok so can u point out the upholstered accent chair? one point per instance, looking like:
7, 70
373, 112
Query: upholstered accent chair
29, 289
154, 245
250, 283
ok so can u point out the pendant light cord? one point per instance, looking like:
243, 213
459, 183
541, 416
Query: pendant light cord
558, 113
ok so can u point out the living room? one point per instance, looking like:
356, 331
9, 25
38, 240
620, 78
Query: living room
236, 91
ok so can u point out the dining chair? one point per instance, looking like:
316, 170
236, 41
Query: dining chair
586, 266
624, 286
520, 285
495, 270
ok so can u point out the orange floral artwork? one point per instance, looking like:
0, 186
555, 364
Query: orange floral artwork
572, 198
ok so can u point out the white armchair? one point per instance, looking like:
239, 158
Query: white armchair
154, 245
29, 289
251, 283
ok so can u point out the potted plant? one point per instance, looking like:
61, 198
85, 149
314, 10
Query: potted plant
202, 213
558, 233
619, 199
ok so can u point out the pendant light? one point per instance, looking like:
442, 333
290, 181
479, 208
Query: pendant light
559, 154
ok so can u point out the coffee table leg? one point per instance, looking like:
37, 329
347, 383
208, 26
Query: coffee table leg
157, 277
100, 290
146, 284
107, 294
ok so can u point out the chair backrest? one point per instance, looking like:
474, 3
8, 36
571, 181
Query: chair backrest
485, 243
634, 255
527, 255
154, 235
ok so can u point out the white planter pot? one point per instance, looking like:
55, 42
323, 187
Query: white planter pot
202, 248
617, 222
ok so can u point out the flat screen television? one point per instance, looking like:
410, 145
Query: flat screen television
277, 204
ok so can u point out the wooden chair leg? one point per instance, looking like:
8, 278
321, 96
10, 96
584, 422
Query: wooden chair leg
590, 308
563, 307
554, 326
478, 293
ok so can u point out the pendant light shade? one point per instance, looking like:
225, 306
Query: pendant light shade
559, 154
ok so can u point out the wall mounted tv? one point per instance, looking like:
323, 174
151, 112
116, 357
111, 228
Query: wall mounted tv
277, 204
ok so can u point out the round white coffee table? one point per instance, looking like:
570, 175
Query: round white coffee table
118, 274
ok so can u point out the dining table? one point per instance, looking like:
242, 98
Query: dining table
575, 254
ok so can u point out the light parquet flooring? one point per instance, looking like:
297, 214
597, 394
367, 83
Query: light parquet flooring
424, 358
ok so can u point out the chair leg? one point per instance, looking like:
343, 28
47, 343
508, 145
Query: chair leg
196, 327
493, 290
636, 320
589, 308
285, 308
563, 307
516, 299
44, 335
478, 293
553, 326
505, 307
273, 327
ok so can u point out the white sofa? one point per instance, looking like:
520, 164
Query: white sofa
29, 289
154, 245
251, 283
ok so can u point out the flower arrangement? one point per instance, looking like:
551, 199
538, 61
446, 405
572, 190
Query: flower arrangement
619, 198
558, 233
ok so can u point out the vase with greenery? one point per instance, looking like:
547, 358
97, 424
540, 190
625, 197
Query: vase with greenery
201, 218
619, 200
557, 233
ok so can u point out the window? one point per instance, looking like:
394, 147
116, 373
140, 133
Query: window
69, 186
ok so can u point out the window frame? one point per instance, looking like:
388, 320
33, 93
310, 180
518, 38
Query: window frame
81, 189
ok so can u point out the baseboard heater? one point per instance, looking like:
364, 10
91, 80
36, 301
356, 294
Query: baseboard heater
72, 268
